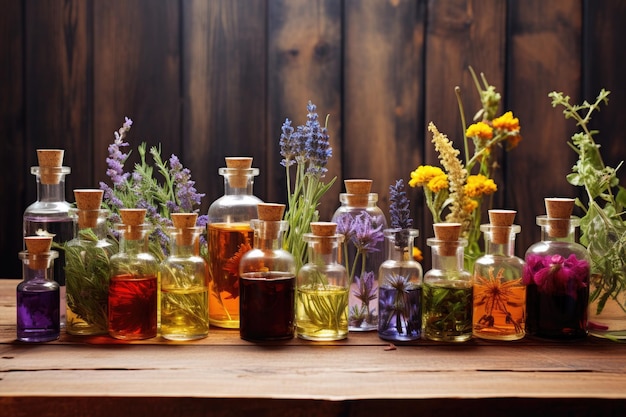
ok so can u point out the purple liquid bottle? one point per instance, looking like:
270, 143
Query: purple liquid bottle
38, 310
49, 214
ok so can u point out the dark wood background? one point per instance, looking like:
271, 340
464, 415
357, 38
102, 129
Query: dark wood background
215, 78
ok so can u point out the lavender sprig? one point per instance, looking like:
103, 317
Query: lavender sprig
400, 213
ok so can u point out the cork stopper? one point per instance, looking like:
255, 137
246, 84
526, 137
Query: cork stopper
502, 220
357, 191
186, 222
50, 165
271, 214
133, 219
559, 211
324, 229
243, 163
448, 234
37, 246
88, 202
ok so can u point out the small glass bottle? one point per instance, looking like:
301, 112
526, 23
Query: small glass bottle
268, 279
38, 318
322, 287
184, 283
229, 237
362, 222
557, 273
447, 290
50, 213
133, 287
87, 268
499, 294
400, 288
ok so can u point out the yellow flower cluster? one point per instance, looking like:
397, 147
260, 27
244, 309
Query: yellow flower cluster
479, 185
480, 130
430, 177
506, 122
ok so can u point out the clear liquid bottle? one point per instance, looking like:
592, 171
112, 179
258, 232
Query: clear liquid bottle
499, 293
87, 269
447, 289
268, 279
362, 222
229, 237
133, 287
49, 214
322, 287
38, 308
557, 274
400, 288
184, 283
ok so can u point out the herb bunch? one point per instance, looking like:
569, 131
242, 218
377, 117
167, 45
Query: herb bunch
460, 190
307, 149
175, 192
603, 226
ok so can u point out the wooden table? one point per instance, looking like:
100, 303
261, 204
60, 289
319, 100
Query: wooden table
361, 376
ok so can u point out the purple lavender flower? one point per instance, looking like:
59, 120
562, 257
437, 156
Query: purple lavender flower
366, 288
287, 145
186, 193
344, 225
399, 212
317, 145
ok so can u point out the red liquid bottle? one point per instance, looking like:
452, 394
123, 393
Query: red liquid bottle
133, 287
267, 281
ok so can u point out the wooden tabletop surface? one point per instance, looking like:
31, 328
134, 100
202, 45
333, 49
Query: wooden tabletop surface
363, 375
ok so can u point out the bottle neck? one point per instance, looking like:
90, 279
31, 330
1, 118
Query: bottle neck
231, 189
447, 262
50, 193
183, 250
502, 249
399, 243
133, 246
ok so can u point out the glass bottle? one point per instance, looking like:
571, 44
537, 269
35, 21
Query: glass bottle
87, 268
49, 214
400, 288
322, 287
184, 283
557, 273
133, 287
229, 237
362, 222
38, 309
267, 283
499, 294
447, 290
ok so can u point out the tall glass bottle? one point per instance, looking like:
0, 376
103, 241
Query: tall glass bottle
400, 288
184, 283
133, 287
38, 318
322, 288
268, 279
447, 290
557, 276
50, 213
362, 222
229, 237
499, 294
87, 268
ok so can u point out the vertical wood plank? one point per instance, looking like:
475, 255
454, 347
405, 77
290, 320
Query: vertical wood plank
604, 66
12, 157
304, 63
136, 56
545, 53
383, 92
224, 88
460, 34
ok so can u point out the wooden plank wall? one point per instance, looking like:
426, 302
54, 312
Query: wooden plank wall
209, 79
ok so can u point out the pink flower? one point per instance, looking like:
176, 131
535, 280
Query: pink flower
556, 275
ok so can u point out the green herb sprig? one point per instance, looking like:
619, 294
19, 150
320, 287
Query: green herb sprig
603, 227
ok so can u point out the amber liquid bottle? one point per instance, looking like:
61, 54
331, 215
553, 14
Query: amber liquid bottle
133, 287
230, 236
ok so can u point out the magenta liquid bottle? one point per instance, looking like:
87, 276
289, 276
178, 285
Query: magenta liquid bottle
49, 215
38, 309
